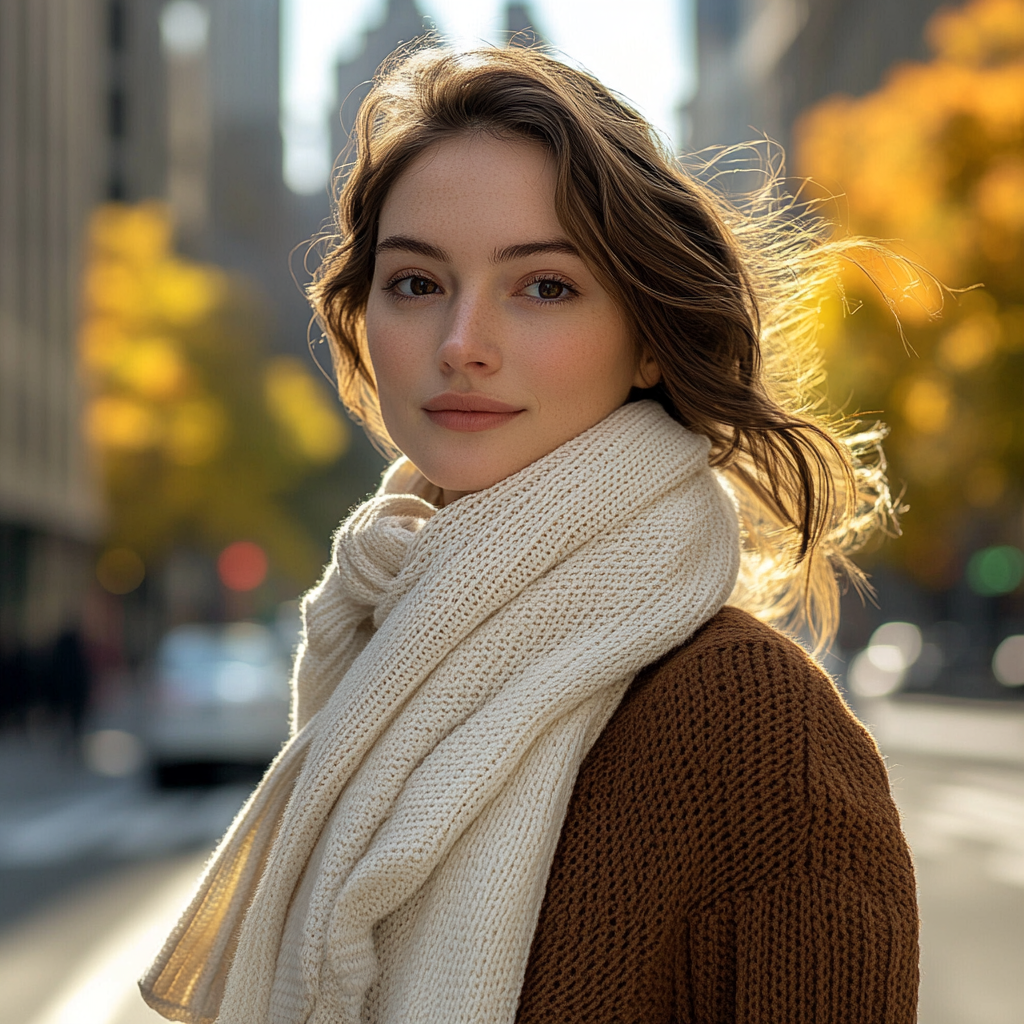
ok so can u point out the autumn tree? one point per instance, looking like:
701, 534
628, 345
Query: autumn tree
934, 161
199, 435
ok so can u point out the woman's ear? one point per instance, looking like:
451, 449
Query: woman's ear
648, 373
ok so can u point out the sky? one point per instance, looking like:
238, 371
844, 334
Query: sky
647, 55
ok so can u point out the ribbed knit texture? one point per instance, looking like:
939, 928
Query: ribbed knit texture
457, 667
731, 854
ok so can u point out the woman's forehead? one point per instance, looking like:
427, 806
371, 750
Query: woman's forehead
475, 183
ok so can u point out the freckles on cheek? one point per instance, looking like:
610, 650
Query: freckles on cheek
567, 370
384, 348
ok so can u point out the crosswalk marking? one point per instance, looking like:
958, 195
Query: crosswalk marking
104, 985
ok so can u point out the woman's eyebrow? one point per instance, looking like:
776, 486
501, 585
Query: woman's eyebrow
404, 243
518, 252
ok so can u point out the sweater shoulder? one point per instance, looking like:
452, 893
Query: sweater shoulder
745, 744
732, 808
732, 630
730, 658
754, 703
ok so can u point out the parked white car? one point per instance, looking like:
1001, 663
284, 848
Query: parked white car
219, 702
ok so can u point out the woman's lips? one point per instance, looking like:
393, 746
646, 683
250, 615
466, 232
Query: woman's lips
467, 421
467, 413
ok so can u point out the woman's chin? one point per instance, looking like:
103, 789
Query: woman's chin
456, 486
456, 481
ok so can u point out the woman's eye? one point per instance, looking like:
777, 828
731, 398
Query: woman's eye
548, 288
415, 286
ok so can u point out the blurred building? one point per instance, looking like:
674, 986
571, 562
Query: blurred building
120, 100
193, 99
520, 24
762, 62
136, 138
59, 117
402, 22
220, 72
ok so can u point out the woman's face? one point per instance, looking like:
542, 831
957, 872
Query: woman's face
491, 341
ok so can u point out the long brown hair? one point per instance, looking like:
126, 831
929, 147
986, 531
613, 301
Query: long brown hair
723, 295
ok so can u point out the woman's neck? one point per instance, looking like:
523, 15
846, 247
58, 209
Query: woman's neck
447, 497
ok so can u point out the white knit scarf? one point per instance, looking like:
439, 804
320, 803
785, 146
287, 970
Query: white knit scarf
457, 666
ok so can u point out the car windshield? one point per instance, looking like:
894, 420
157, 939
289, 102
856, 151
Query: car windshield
239, 662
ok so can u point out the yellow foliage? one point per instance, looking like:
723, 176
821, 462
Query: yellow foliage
134, 275
112, 287
137, 234
102, 344
1000, 195
883, 152
199, 437
892, 153
185, 294
300, 406
934, 160
927, 405
196, 432
153, 367
121, 423
991, 29
971, 343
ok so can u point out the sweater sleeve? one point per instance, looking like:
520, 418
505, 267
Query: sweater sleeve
806, 909
801, 951
731, 854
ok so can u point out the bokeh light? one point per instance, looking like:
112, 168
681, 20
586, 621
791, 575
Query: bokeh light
996, 570
1008, 661
184, 27
242, 566
120, 570
880, 668
905, 637
112, 752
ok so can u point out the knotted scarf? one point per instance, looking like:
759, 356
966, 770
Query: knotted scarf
457, 665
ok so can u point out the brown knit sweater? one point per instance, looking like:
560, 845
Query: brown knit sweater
731, 854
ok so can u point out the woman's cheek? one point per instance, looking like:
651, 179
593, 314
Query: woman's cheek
558, 359
578, 372
390, 355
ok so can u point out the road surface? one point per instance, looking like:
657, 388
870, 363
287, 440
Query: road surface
92, 877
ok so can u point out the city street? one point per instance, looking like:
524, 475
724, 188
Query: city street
766, 251
92, 879
965, 822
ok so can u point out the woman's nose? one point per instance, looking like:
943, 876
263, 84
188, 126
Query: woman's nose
471, 343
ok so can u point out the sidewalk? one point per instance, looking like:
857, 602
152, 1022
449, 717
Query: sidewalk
952, 727
42, 760
41, 764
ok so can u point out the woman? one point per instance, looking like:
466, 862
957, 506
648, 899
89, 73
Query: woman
539, 771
